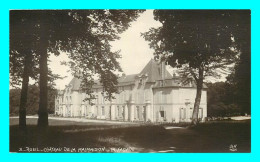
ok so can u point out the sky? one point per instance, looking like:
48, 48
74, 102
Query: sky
135, 51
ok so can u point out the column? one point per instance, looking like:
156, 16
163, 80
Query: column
63, 110
112, 111
71, 111
97, 111
92, 111
125, 113
132, 110
148, 111
85, 110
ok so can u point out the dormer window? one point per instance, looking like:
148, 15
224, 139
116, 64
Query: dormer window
140, 81
161, 82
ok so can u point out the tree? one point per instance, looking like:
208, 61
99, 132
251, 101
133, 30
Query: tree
78, 31
240, 78
23, 58
198, 42
32, 104
21, 55
221, 100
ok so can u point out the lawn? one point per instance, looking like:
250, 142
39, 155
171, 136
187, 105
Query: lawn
68, 136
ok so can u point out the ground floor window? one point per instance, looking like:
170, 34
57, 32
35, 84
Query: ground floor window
182, 113
162, 114
200, 113
144, 112
123, 111
136, 112
191, 112
103, 111
118, 111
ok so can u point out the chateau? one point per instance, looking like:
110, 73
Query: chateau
153, 95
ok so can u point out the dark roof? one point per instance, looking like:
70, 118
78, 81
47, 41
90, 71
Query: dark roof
176, 83
75, 83
152, 70
127, 78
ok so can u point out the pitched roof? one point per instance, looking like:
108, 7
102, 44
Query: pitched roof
152, 70
127, 78
75, 83
176, 82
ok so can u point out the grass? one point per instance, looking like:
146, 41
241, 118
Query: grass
96, 137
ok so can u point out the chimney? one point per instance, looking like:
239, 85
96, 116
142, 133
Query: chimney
163, 69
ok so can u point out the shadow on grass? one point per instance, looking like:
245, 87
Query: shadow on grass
212, 137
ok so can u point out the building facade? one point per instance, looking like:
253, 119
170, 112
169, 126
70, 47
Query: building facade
153, 95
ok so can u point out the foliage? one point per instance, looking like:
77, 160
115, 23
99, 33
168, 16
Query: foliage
32, 105
241, 76
193, 40
198, 42
84, 34
91, 54
221, 100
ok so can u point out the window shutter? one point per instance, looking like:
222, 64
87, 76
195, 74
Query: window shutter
140, 113
180, 113
135, 112
184, 116
144, 112
157, 115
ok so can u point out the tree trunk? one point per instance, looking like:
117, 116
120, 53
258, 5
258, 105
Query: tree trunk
24, 91
199, 82
43, 113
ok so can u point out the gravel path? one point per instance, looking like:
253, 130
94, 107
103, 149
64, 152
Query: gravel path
80, 120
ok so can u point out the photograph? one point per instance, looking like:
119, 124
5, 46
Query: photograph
130, 81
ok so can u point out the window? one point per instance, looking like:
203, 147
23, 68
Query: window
102, 99
191, 112
161, 83
96, 99
160, 97
136, 112
141, 81
162, 115
182, 113
122, 97
103, 111
118, 109
137, 97
164, 97
200, 113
